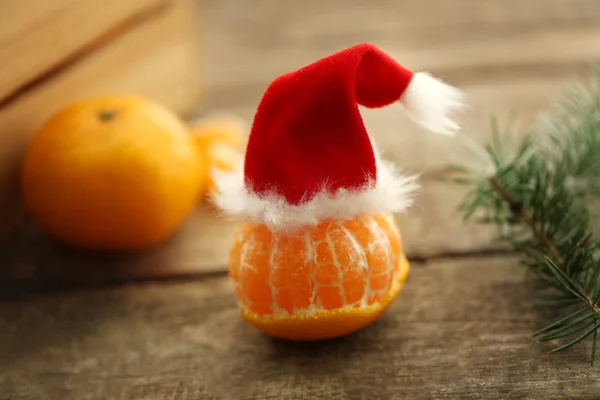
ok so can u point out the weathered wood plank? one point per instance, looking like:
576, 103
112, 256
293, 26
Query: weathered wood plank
334, 15
37, 36
160, 59
268, 38
31, 260
459, 330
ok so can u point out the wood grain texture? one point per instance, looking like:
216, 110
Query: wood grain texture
459, 38
31, 260
459, 330
37, 36
159, 59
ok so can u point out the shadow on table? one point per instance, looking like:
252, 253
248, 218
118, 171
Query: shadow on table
330, 355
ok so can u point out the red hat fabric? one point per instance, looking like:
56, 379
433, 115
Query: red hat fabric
309, 156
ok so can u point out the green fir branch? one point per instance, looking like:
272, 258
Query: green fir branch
539, 193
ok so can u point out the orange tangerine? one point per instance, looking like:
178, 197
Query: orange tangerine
319, 282
224, 128
220, 139
115, 173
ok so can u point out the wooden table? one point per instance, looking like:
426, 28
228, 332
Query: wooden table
459, 330
164, 324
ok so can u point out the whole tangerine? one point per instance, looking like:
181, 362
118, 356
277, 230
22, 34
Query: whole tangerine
118, 172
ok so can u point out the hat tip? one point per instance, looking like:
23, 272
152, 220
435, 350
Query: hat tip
433, 104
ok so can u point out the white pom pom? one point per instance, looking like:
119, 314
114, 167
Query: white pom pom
430, 103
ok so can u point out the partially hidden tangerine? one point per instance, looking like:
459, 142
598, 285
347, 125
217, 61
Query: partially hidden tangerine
319, 282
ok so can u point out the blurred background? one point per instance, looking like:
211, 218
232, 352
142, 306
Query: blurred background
508, 56
200, 57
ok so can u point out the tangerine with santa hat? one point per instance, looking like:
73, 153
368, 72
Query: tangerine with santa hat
320, 254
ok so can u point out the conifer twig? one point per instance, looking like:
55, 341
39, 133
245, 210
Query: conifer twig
554, 254
522, 214
539, 194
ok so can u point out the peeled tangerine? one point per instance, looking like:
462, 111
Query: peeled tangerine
320, 255
318, 282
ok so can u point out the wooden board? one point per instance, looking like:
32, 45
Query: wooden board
461, 40
159, 58
34, 261
40, 36
460, 329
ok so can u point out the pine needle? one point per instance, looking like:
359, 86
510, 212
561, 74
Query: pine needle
559, 322
594, 346
584, 335
539, 196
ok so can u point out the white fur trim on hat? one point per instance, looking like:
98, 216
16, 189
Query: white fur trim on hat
392, 192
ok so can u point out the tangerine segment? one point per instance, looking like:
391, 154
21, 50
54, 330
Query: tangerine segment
311, 325
340, 267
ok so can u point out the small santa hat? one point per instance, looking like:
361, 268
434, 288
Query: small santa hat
309, 157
